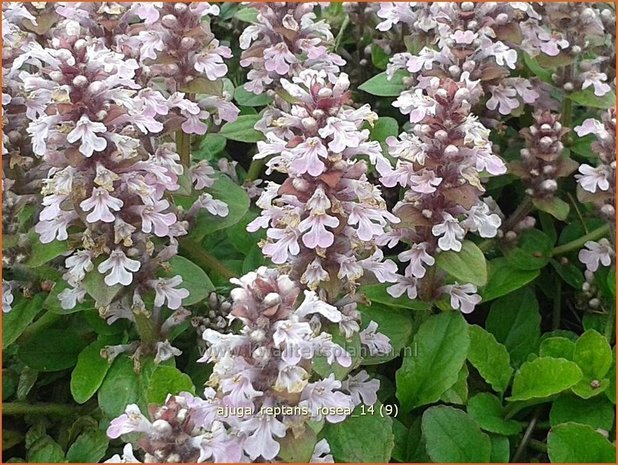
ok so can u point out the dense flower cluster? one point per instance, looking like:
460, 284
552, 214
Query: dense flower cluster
471, 38
261, 389
571, 30
440, 163
286, 40
542, 158
598, 185
323, 221
100, 115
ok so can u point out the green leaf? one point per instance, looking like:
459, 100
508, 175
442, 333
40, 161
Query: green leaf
490, 358
457, 394
488, 412
381, 86
557, 347
575, 443
45, 450
249, 99
594, 356
570, 273
55, 350
168, 380
392, 322
247, 15
348, 440
119, 389
379, 57
43, 253
515, 322
441, 344
297, 447
89, 373
211, 145
505, 278
544, 377
19, 318
611, 375
376, 293
89, 447
242, 130
537, 69
555, 206
533, 250
194, 279
500, 449
95, 286
586, 98
236, 199
466, 266
454, 437
597, 412
383, 128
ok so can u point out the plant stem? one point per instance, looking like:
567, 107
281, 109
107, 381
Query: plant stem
183, 147
520, 212
344, 26
25, 408
527, 436
579, 243
555, 319
539, 446
255, 169
204, 259
609, 325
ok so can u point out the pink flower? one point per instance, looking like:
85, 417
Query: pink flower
344, 133
132, 421
202, 175
317, 235
321, 453
463, 296
165, 290
219, 446
101, 203
417, 255
71, 295
55, 228
154, 220
239, 391
593, 179
307, 157
211, 63
79, 264
278, 58
323, 395
596, 252
377, 343
120, 266
425, 182
285, 245
502, 99
452, 233
597, 81
260, 431
362, 388
481, 219
86, 131
404, 285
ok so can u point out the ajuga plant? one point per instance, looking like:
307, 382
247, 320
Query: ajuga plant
308, 232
